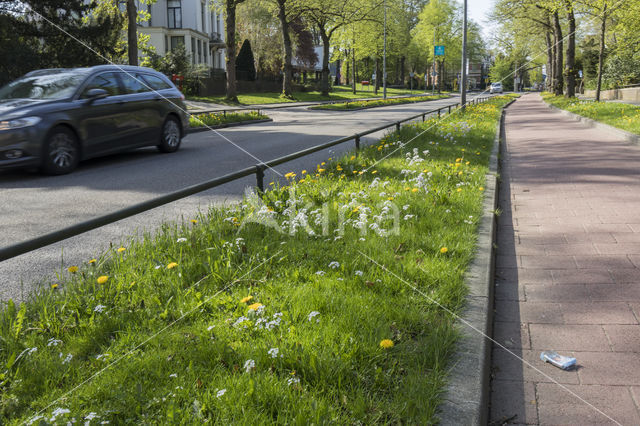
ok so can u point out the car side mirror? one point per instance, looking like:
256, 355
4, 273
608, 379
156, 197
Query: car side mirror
95, 94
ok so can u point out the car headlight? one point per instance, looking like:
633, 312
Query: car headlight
19, 123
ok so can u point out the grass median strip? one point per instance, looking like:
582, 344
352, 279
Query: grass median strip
218, 118
617, 114
345, 106
267, 311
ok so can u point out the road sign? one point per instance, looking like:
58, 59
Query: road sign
438, 50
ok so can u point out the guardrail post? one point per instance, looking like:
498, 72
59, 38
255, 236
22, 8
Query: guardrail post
357, 140
397, 126
224, 112
423, 114
439, 109
260, 177
449, 109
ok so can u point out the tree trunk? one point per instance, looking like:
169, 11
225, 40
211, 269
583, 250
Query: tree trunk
377, 86
558, 82
402, 59
132, 32
347, 76
324, 84
353, 69
336, 80
570, 71
549, 61
287, 86
603, 29
231, 50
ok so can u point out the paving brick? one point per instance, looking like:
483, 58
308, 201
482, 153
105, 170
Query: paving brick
626, 275
613, 368
573, 249
558, 406
607, 227
513, 335
597, 313
624, 338
558, 293
513, 401
604, 262
568, 337
511, 368
613, 293
524, 276
547, 262
618, 248
627, 237
527, 312
591, 237
581, 276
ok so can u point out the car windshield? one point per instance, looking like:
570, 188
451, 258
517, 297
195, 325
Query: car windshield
56, 85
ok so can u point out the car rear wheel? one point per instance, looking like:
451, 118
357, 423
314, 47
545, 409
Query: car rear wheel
61, 152
171, 135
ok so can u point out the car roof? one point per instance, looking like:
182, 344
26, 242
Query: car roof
127, 68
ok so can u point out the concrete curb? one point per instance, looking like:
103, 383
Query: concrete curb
466, 399
319, 107
630, 137
222, 126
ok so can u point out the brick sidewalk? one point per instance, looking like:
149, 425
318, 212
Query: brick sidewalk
567, 271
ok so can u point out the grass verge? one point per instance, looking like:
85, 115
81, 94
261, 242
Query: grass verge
337, 93
620, 115
216, 119
377, 103
267, 311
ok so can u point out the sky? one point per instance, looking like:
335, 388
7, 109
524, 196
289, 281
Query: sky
477, 9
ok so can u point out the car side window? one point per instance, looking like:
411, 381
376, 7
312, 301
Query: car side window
133, 83
156, 83
106, 81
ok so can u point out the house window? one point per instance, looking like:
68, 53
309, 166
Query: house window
149, 12
199, 51
174, 11
177, 41
204, 51
193, 50
202, 17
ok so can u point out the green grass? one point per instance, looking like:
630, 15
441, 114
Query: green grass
620, 115
215, 119
345, 106
337, 93
171, 310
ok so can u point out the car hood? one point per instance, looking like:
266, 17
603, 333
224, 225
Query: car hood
11, 108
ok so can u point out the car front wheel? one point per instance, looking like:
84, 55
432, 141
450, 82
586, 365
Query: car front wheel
171, 135
61, 152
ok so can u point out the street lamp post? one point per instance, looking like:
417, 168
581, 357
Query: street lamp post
463, 85
433, 70
384, 55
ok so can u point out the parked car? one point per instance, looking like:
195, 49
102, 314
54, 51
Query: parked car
52, 119
496, 88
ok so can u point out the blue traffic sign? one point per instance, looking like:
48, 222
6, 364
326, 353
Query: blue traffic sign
438, 50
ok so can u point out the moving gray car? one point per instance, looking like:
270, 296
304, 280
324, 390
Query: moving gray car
52, 119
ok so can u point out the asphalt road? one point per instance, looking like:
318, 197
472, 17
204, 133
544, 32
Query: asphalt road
32, 205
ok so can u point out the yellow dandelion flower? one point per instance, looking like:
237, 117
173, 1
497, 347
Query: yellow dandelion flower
290, 175
320, 170
362, 172
467, 163
459, 190
390, 198
54, 286
481, 188
121, 249
443, 250
407, 189
355, 171
386, 344
458, 160
323, 163
379, 148
102, 279
356, 209
272, 183
246, 299
353, 157
92, 261
415, 190
460, 173
72, 269
194, 221
339, 168
304, 172
255, 306
172, 265
374, 172
301, 181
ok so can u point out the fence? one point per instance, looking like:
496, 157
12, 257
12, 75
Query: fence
18, 249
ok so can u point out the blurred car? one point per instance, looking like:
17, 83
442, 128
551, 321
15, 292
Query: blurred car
52, 119
496, 88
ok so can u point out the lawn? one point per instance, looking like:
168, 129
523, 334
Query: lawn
345, 106
337, 93
621, 115
216, 119
270, 311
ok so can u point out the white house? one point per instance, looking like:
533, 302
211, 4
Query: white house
194, 23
